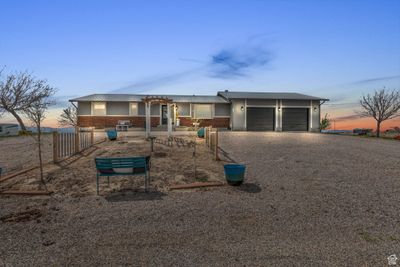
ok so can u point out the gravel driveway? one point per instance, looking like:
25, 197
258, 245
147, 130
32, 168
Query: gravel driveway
309, 200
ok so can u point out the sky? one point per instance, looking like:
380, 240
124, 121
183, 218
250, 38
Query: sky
332, 49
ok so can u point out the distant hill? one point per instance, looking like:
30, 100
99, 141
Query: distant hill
51, 129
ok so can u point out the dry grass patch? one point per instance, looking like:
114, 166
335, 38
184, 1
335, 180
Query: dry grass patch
169, 166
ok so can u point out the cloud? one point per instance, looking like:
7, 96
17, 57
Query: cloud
61, 101
150, 83
226, 63
237, 62
348, 117
377, 79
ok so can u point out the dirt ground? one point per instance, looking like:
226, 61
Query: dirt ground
309, 200
20, 152
170, 165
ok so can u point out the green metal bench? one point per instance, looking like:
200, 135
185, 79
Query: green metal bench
129, 166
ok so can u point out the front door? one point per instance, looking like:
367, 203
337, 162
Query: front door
164, 117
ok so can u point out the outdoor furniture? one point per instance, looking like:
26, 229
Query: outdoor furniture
122, 167
123, 125
112, 134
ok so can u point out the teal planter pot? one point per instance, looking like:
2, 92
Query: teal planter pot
112, 134
234, 173
200, 133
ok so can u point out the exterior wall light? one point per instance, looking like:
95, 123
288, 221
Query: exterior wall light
315, 108
241, 108
279, 108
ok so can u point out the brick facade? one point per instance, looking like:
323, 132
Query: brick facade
100, 122
216, 122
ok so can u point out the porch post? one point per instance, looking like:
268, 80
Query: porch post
169, 119
148, 119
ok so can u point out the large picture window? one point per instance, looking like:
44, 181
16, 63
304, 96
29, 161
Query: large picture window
99, 108
133, 109
202, 111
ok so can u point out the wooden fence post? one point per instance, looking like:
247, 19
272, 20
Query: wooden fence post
205, 135
216, 144
208, 136
91, 138
55, 147
77, 141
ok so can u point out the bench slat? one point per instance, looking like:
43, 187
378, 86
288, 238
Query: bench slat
139, 166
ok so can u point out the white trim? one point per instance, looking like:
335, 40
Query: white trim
311, 114
295, 107
245, 114
174, 114
261, 106
281, 115
220, 116
276, 116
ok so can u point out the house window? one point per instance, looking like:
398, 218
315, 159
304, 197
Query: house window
202, 111
99, 108
133, 109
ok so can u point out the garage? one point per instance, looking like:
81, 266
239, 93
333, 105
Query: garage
295, 119
260, 119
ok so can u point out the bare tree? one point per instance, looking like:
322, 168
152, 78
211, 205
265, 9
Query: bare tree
382, 105
36, 113
69, 117
18, 92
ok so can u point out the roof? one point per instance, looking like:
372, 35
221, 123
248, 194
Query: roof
138, 98
267, 95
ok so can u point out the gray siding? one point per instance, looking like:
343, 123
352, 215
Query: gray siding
141, 109
184, 109
222, 110
296, 103
118, 108
84, 108
261, 102
316, 117
155, 109
238, 115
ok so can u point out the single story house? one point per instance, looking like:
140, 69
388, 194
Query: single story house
251, 111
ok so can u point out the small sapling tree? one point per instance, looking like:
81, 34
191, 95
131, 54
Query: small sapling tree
36, 113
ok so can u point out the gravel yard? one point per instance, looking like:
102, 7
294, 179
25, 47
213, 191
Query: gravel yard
309, 200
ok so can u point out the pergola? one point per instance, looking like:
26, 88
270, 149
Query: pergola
148, 100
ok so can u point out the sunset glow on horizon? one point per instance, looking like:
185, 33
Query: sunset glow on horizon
339, 50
